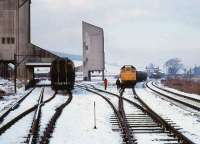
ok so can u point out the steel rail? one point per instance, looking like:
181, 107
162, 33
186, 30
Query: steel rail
15, 106
127, 137
182, 139
51, 124
178, 94
174, 99
32, 138
9, 124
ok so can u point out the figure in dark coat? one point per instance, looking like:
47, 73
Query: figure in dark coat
118, 84
105, 83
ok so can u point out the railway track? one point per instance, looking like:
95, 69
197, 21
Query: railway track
178, 94
181, 99
27, 103
14, 106
33, 136
145, 121
118, 114
51, 124
11, 122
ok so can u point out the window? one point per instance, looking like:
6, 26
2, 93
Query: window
86, 47
8, 40
3, 40
12, 40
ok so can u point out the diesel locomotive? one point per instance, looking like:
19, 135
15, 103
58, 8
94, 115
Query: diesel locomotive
62, 74
129, 76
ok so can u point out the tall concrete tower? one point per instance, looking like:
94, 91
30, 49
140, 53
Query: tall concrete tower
93, 50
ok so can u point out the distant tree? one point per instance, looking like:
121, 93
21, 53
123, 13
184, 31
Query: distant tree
150, 69
196, 70
152, 66
173, 66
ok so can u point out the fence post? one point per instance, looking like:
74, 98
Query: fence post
95, 127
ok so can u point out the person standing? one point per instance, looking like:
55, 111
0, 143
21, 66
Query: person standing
105, 83
118, 84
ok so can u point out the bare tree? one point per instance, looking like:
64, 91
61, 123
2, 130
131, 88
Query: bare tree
196, 70
173, 66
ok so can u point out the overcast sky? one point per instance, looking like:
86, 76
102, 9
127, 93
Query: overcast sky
137, 32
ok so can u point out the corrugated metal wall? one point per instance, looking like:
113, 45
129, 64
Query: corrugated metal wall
14, 27
7, 29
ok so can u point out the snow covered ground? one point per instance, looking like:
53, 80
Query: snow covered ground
8, 86
187, 120
76, 125
29, 102
10, 98
44, 82
48, 109
18, 133
142, 138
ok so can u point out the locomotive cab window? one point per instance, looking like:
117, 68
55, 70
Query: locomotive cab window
128, 69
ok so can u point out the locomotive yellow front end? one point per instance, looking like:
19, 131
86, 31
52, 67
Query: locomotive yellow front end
128, 76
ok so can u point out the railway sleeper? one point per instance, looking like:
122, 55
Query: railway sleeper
149, 132
136, 113
116, 129
127, 140
135, 116
137, 122
139, 125
138, 117
174, 142
167, 139
144, 126
142, 122
47, 134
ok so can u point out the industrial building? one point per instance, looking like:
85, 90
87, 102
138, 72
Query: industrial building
15, 41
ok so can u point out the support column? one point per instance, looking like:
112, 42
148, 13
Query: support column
89, 75
103, 75
33, 75
30, 73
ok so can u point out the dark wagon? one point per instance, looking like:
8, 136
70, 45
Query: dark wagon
62, 74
